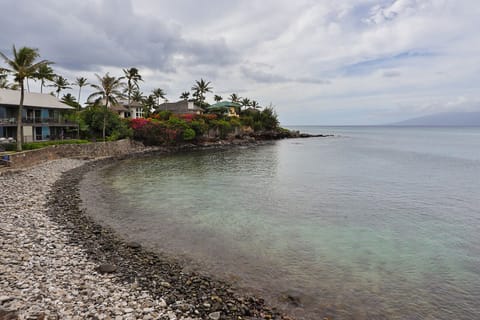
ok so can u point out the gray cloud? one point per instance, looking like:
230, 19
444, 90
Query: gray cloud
87, 34
268, 77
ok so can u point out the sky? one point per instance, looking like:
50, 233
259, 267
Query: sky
318, 62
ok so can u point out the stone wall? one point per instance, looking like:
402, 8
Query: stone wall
90, 150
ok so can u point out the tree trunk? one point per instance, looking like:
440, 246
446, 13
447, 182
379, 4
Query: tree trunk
105, 118
19, 118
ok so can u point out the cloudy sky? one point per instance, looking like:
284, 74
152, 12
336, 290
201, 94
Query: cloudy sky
317, 61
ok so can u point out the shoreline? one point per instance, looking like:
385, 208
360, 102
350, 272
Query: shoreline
96, 253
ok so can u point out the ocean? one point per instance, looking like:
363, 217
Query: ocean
372, 223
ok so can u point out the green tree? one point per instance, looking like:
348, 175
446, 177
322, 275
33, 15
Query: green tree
109, 90
158, 93
44, 72
255, 104
93, 120
185, 95
80, 82
234, 98
217, 98
201, 88
22, 66
60, 83
133, 77
149, 103
245, 103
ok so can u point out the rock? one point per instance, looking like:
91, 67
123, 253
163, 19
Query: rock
214, 315
133, 245
165, 284
8, 315
106, 268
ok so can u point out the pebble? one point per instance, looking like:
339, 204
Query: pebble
43, 275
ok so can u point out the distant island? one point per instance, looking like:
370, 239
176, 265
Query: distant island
443, 119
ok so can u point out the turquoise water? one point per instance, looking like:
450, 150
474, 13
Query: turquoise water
373, 223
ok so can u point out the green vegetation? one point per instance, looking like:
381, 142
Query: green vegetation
99, 121
42, 144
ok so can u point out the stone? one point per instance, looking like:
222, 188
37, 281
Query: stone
106, 268
214, 315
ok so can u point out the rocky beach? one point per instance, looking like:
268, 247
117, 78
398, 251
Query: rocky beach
58, 263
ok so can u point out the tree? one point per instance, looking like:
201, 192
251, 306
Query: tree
80, 82
60, 83
185, 95
245, 102
133, 77
137, 96
109, 90
201, 88
217, 98
255, 104
44, 72
159, 93
234, 98
149, 103
22, 66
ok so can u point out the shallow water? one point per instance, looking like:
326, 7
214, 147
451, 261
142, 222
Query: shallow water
374, 223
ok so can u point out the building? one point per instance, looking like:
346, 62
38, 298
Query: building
225, 108
181, 107
43, 117
136, 109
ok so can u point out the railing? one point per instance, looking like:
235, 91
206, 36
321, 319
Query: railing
12, 121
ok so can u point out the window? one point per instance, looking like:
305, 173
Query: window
138, 113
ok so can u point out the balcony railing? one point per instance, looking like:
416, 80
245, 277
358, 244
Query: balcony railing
54, 121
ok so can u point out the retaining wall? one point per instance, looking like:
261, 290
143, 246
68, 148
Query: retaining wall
89, 150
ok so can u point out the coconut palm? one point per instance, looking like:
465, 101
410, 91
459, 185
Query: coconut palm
158, 93
44, 72
245, 102
217, 98
149, 103
109, 90
185, 95
137, 96
133, 77
22, 66
60, 83
254, 104
201, 88
80, 82
234, 98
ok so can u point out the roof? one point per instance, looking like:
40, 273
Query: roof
225, 104
32, 99
179, 106
118, 108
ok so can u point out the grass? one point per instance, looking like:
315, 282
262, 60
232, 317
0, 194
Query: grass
42, 144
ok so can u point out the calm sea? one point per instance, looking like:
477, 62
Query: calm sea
374, 223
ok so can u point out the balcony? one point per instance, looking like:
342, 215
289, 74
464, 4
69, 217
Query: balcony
36, 121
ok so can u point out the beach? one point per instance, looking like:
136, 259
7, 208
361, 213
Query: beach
57, 263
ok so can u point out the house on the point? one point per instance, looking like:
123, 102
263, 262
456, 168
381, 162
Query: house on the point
225, 108
135, 111
43, 117
181, 107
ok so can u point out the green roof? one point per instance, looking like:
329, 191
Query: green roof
224, 104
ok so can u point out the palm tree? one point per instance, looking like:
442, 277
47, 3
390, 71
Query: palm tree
133, 77
185, 95
159, 93
255, 104
234, 98
201, 87
80, 82
149, 103
44, 72
60, 83
109, 89
22, 66
245, 102
137, 96
217, 98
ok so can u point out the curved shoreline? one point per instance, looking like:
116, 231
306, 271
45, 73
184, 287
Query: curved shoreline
188, 294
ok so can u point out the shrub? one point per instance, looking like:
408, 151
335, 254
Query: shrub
188, 134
